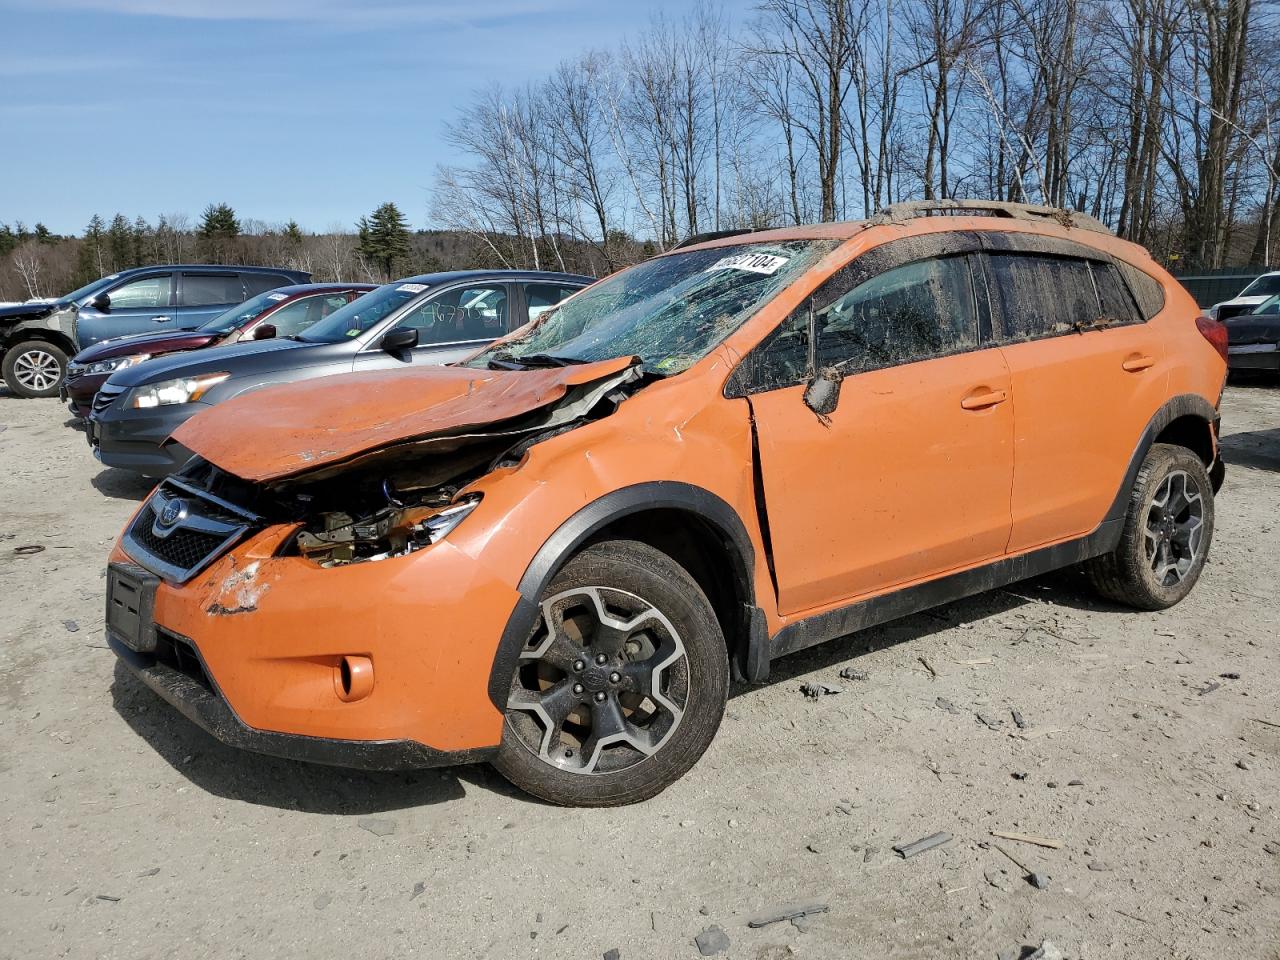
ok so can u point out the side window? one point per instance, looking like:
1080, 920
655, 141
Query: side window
469, 313
256, 283
913, 312
211, 289
541, 297
1042, 296
1147, 290
1117, 302
295, 317
145, 293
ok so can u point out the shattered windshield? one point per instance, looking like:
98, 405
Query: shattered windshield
670, 311
362, 313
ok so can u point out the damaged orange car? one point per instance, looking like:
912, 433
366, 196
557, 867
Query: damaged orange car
555, 555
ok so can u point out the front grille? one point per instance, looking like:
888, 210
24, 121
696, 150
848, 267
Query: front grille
105, 396
181, 530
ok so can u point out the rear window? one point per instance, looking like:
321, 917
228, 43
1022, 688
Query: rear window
210, 289
1147, 290
1042, 296
1113, 292
256, 283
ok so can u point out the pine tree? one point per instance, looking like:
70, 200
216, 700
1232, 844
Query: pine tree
43, 235
218, 231
293, 234
91, 262
143, 248
8, 239
384, 238
120, 243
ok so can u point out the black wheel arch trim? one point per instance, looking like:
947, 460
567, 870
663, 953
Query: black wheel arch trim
594, 517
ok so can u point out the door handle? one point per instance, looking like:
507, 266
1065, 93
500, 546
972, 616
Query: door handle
161, 319
1138, 362
980, 401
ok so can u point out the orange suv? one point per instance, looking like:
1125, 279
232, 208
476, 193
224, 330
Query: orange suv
553, 556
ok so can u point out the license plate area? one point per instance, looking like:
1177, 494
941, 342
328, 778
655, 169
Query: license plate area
131, 601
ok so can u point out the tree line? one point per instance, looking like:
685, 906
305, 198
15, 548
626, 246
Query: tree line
1156, 116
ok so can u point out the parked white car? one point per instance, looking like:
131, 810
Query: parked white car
1262, 288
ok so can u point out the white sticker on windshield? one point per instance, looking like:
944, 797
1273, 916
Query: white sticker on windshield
277, 296
412, 287
752, 262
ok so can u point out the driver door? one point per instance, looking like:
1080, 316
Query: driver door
139, 305
451, 326
909, 477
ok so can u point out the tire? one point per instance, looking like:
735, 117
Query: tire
587, 725
34, 368
1168, 529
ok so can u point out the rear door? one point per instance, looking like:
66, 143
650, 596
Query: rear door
141, 304
202, 296
1088, 374
908, 477
451, 325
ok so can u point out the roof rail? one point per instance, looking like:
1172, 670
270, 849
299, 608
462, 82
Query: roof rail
704, 237
900, 212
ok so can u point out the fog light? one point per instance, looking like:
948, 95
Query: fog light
353, 679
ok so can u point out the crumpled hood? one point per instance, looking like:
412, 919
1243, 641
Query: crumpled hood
298, 428
28, 311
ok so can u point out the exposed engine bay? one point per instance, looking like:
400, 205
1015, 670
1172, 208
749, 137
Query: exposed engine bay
394, 500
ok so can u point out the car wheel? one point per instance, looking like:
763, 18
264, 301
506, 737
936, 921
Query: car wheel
622, 685
34, 368
1167, 531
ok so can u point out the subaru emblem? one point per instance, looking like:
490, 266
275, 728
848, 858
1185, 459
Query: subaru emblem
173, 511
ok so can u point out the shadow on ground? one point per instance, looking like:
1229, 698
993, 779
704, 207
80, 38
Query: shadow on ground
122, 485
286, 784
1259, 449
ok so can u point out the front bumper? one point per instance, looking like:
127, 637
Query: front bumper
204, 705
269, 633
78, 393
135, 439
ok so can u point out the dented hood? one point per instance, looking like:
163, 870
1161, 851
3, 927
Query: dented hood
299, 428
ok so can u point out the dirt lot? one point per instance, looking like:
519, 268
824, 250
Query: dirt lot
1151, 752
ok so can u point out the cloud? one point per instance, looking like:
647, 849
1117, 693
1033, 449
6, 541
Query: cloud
378, 13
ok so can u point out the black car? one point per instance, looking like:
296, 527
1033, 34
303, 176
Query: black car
37, 338
1253, 339
433, 318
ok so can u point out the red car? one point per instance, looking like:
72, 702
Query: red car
282, 312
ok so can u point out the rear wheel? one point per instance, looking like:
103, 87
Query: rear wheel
1167, 532
34, 368
622, 685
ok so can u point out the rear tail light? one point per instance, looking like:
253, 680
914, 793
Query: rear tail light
1214, 332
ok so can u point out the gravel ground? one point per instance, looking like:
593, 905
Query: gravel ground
1150, 756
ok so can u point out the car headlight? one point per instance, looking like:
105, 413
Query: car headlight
178, 390
437, 526
114, 364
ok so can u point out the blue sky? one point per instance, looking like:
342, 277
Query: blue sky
312, 109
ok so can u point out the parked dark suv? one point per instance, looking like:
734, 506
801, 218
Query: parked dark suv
37, 338
283, 312
429, 319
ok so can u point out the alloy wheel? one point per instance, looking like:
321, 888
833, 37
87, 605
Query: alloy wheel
602, 683
1174, 528
37, 370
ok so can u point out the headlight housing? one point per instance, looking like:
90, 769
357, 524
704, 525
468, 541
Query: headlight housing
438, 526
114, 364
178, 390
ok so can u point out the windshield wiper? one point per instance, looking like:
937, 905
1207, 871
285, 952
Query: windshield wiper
505, 361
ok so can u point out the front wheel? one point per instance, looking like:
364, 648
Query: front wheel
622, 685
1167, 531
34, 368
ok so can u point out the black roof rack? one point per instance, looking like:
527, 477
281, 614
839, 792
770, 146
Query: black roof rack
714, 235
900, 212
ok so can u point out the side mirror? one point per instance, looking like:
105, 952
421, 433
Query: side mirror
823, 392
264, 331
101, 302
402, 338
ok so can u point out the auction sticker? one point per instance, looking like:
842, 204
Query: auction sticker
277, 296
412, 287
751, 262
